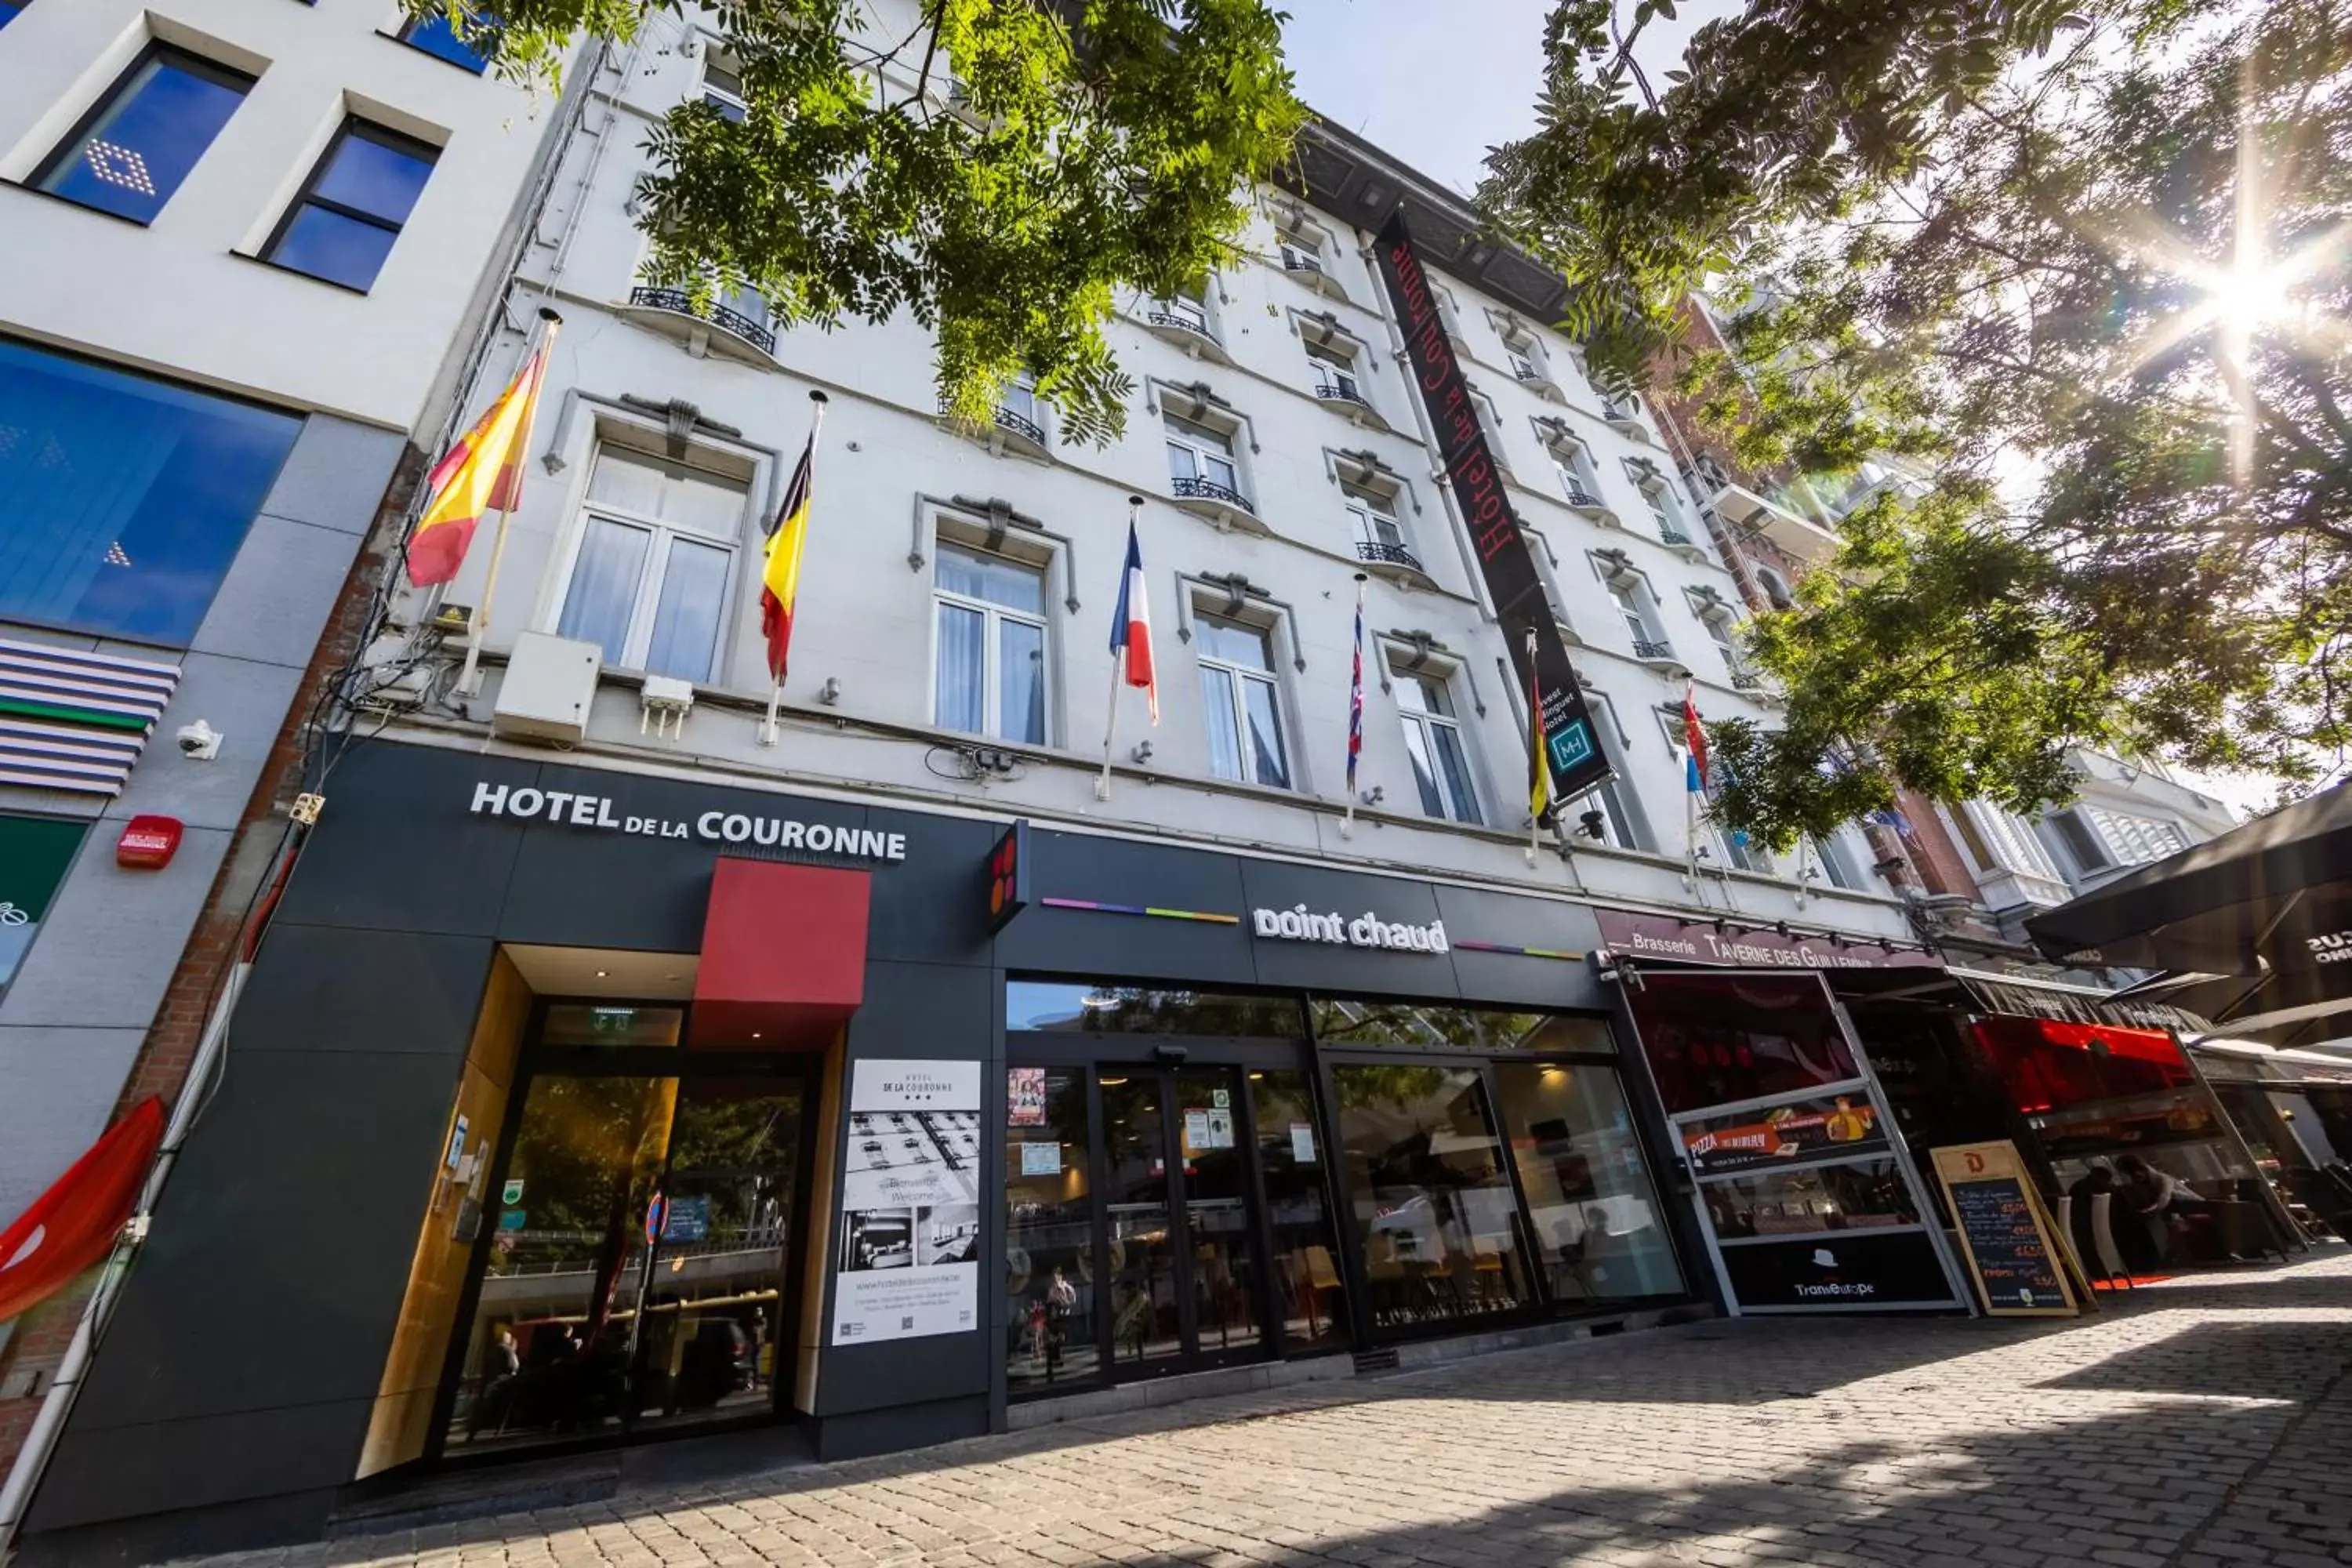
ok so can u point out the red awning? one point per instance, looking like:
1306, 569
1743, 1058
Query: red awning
72, 1224
783, 955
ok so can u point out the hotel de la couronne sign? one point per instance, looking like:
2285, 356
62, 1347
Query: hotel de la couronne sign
523, 803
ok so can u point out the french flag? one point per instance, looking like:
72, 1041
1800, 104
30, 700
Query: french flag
1130, 625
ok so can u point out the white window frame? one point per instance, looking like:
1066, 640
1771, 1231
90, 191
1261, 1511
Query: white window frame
1665, 511
1201, 453
1832, 851
1373, 514
993, 614
1613, 797
1239, 676
719, 97
2133, 840
1428, 723
1298, 236
1723, 631
1637, 605
636, 641
1523, 356
1335, 359
1571, 460
2012, 845
1192, 306
1728, 855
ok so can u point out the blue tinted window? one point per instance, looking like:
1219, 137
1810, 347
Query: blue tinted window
130, 155
8, 9
437, 37
123, 499
342, 228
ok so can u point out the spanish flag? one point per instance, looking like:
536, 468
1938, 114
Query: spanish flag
483, 472
780, 581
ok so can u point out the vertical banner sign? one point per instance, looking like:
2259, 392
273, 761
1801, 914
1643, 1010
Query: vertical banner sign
1503, 558
908, 1261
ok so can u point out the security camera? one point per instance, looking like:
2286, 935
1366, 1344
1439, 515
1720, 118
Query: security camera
200, 742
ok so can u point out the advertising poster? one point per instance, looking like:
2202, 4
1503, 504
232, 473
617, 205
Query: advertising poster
1845, 1126
909, 1264
1025, 1096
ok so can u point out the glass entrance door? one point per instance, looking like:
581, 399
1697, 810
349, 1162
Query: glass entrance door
634, 1270
1185, 1274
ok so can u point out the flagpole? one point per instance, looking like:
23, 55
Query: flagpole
1536, 741
1110, 719
1355, 712
768, 731
469, 680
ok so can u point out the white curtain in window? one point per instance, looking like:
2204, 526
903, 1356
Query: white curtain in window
692, 602
962, 699
604, 580
1021, 681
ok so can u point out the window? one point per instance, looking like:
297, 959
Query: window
1629, 594
1200, 460
1374, 516
1573, 464
1999, 842
722, 87
1244, 714
990, 674
436, 35
35, 852
1049, 1276
1776, 589
1726, 642
656, 549
2136, 840
130, 153
1301, 246
1432, 738
1663, 510
8, 9
1600, 1228
1490, 424
1335, 371
1519, 352
1838, 863
1187, 308
122, 498
1606, 814
341, 228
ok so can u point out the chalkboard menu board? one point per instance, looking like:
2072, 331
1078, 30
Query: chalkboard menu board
2017, 1264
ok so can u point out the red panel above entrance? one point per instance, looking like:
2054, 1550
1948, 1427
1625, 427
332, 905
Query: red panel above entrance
784, 956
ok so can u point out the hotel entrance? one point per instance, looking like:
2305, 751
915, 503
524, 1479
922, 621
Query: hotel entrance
635, 1253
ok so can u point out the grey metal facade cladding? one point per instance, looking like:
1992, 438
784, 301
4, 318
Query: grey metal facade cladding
231, 1396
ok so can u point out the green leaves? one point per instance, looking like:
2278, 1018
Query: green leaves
1000, 175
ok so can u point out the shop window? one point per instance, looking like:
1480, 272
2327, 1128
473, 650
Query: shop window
437, 36
1432, 738
123, 499
355, 204
35, 852
1311, 1305
1598, 1229
131, 152
1435, 1222
1242, 702
656, 549
989, 674
1102, 1007
1049, 1267
1716, 1039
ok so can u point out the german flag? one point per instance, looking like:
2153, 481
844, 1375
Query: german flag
780, 581
482, 473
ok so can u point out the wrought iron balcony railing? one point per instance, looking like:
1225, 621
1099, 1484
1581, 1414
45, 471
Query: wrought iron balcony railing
1673, 535
1294, 262
1645, 648
680, 302
1170, 319
1021, 425
1336, 392
1746, 680
1579, 496
1209, 490
1385, 554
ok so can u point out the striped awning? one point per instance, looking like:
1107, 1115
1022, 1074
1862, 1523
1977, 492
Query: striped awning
75, 720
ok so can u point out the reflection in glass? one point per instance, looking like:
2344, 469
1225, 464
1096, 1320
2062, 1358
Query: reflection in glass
1215, 1185
713, 1318
548, 1354
1077, 1006
358, 200
1435, 1214
1049, 1272
1715, 1039
1356, 1021
1146, 1324
1864, 1196
1595, 1211
1309, 1298
142, 145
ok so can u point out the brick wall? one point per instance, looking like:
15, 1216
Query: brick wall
29, 1357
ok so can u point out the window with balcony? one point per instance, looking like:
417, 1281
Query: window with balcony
1630, 592
1723, 631
1302, 245
1666, 512
990, 674
342, 227
1187, 309
1432, 740
1017, 411
1571, 460
1523, 356
722, 86
1837, 861
656, 552
129, 153
1241, 701
1201, 464
1379, 536
1333, 362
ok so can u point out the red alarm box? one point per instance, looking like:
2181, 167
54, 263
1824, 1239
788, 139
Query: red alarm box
147, 843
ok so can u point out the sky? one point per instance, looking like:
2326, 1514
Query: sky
1376, 67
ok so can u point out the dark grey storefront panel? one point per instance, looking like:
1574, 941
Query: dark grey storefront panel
922, 1012
1116, 871
933, 906
1473, 914
1331, 967
311, 991
275, 1272
395, 848
165, 1466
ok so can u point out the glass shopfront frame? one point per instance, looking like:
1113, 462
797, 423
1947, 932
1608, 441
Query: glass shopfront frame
1409, 1171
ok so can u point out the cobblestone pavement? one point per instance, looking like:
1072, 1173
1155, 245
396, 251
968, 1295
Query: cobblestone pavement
2207, 1423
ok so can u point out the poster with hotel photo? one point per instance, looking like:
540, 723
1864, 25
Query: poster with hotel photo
909, 1264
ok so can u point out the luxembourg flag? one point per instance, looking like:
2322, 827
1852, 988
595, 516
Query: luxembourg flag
1130, 625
